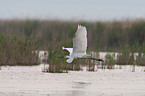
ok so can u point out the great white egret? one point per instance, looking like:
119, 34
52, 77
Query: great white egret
79, 46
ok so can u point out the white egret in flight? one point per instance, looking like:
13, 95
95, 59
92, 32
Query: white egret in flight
79, 46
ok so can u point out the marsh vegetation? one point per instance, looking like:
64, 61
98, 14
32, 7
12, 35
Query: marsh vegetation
17, 49
20, 38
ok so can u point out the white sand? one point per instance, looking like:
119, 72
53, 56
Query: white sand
30, 81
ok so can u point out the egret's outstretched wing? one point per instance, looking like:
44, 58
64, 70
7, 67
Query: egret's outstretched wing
70, 50
80, 40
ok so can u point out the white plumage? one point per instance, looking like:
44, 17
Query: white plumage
80, 40
79, 44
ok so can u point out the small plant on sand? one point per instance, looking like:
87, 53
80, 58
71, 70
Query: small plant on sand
110, 61
126, 56
140, 59
91, 65
133, 69
56, 60
56, 63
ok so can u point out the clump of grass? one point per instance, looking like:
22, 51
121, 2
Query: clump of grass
133, 69
125, 57
76, 65
56, 63
110, 61
141, 56
91, 65
141, 59
56, 60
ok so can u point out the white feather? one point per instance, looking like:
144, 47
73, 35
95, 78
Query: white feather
70, 50
80, 40
79, 44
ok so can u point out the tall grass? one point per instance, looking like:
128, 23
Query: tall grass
17, 50
18, 38
101, 35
